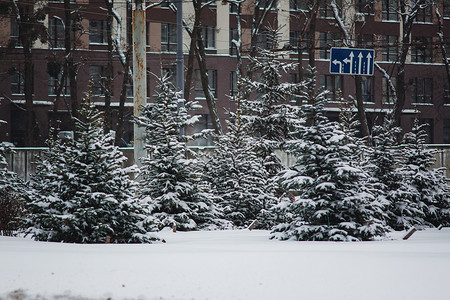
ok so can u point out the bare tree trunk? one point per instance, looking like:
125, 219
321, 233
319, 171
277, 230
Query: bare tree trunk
109, 67
123, 96
191, 56
69, 59
28, 89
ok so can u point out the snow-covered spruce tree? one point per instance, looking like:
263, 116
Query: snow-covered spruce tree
237, 174
422, 194
13, 192
270, 116
170, 175
83, 194
330, 203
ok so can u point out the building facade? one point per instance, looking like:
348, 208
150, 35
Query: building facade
375, 25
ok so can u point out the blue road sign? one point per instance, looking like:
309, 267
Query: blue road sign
352, 61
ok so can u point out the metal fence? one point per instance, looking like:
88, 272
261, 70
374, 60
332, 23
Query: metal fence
23, 160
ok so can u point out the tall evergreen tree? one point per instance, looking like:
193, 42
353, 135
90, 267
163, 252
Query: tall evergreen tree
170, 175
239, 177
421, 197
330, 203
83, 194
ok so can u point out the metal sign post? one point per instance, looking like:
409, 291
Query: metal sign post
352, 61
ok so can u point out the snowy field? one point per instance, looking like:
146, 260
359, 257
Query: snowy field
229, 265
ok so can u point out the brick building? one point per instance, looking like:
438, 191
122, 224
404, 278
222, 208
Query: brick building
376, 25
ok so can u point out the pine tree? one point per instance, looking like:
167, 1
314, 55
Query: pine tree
270, 115
330, 203
421, 197
239, 177
171, 175
13, 192
83, 194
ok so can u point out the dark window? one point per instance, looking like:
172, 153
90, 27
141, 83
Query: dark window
209, 36
298, 5
446, 7
446, 92
296, 40
263, 40
389, 10
234, 8
96, 73
425, 13
18, 81
367, 89
168, 37
97, 32
326, 41
421, 49
333, 84
293, 78
364, 7
446, 137
14, 35
233, 36
56, 32
387, 96
233, 83
212, 82
422, 90
389, 49
326, 11
54, 82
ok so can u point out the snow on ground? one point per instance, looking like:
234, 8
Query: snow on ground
236, 264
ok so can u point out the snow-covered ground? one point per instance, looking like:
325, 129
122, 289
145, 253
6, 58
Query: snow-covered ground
238, 264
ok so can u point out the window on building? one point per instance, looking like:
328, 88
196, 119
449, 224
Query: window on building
233, 83
447, 46
446, 91
97, 32
389, 10
326, 11
209, 36
17, 81
56, 32
234, 8
203, 123
422, 90
425, 13
326, 41
367, 88
365, 41
298, 5
212, 82
147, 34
446, 8
54, 83
421, 49
387, 94
97, 75
294, 78
168, 37
295, 39
389, 49
14, 35
333, 84
364, 7
446, 131
233, 36
263, 40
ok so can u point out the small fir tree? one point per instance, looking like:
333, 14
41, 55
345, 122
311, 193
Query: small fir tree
13, 192
170, 175
83, 194
330, 203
